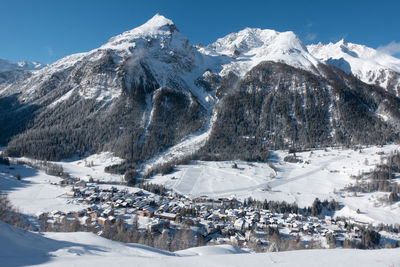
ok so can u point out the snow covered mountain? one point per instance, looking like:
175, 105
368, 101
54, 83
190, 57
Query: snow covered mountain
153, 55
128, 87
12, 71
6, 65
251, 46
367, 64
149, 89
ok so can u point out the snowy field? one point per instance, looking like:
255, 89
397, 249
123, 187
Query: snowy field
35, 192
38, 192
93, 166
322, 174
22, 248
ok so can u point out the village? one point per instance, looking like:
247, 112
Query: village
216, 221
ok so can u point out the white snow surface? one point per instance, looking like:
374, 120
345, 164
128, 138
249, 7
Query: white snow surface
326, 173
251, 46
23, 248
157, 25
90, 166
93, 166
35, 192
368, 64
38, 192
189, 145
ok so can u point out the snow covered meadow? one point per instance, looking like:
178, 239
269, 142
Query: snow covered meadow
321, 174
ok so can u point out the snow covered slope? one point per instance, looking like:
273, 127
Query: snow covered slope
22, 248
249, 47
369, 65
322, 174
35, 192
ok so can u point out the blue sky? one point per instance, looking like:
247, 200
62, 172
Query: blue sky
45, 30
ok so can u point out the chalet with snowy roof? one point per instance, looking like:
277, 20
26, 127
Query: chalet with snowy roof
102, 221
79, 213
168, 216
147, 212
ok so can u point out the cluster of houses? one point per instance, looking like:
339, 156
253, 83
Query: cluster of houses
218, 221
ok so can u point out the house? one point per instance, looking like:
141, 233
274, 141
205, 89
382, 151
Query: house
239, 224
237, 239
108, 212
79, 213
111, 219
85, 220
210, 228
168, 216
147, 212
95, 214
92, 208
212, 217
157, 225
70, 194
102, 221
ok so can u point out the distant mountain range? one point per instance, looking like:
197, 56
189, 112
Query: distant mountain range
11, 71
6, 65
150, 89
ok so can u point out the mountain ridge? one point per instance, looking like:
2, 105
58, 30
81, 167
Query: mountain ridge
6, 65
148, 89
369, 65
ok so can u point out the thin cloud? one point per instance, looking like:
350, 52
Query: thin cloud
50, 51
311, 36
391, 48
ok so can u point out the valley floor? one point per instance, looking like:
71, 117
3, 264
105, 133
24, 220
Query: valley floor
320, 174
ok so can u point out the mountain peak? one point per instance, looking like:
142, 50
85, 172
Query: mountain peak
342, 42
158, 21
250, 46
367, 64
156, 26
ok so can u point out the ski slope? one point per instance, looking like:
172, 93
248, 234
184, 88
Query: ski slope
322, 174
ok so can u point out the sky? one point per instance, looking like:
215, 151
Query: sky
47, 30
